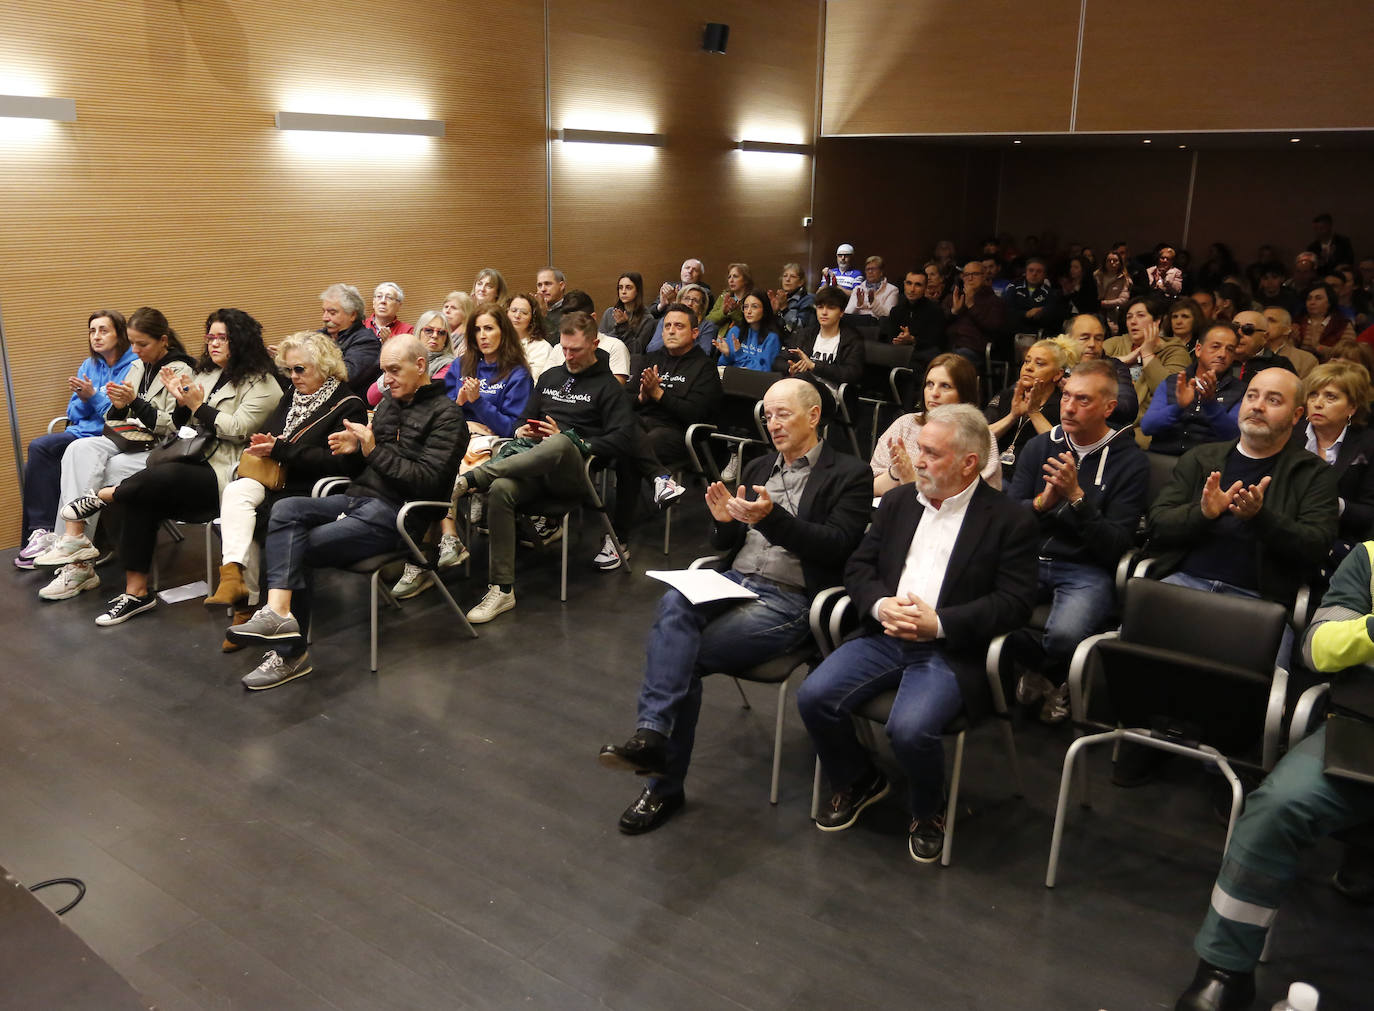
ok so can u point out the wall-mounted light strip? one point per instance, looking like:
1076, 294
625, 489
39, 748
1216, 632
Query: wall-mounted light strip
359, 124
24, 107
771, 147
569, 136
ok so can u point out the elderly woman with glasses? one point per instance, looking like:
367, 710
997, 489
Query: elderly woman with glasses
295, 442
433, 330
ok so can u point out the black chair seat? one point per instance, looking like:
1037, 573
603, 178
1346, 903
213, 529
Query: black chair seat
367, 566
780, 668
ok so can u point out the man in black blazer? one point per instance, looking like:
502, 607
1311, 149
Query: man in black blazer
949, 539
787, 541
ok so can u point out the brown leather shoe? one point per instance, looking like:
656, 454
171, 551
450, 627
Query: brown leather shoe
240, 616
231, 591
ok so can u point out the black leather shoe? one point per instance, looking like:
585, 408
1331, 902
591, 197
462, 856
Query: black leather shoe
926, 841
1215, 989
842, 810
650, 810
646, 753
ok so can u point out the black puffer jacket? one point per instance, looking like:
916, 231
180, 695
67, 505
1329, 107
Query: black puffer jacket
419, 447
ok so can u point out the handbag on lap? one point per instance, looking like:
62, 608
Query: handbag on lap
186, 444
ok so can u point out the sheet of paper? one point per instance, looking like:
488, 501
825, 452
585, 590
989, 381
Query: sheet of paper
187, 591
702, 585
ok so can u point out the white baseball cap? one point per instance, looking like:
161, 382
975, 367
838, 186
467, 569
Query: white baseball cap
845, 248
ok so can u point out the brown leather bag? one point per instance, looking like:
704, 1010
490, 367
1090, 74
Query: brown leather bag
266, 471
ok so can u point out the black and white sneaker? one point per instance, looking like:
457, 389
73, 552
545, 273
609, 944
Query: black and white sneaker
667, 491
83, 507
124, 607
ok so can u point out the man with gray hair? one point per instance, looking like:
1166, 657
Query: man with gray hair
341, 310
947, 565
693, 272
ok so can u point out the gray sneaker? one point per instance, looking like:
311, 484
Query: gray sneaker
494, 603
71, 580
413, 582
276, 669
66, 550
266, 625
451, 552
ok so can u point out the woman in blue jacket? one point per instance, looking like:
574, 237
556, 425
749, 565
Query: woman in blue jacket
757, 341
494, 382
110, 358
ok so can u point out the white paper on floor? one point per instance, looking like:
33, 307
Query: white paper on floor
187, 591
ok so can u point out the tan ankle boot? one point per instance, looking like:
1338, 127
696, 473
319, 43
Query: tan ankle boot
231, 592
241, 615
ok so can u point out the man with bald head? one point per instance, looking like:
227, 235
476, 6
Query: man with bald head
1252, 347
1089, 333
1279, 322
788, 529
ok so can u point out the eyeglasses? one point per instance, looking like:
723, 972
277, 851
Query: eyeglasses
217, 338
431, 331
299, 370
1249, 329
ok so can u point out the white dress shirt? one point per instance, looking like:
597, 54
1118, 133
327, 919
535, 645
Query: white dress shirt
927, 559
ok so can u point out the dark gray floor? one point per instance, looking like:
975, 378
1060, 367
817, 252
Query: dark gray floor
440, 835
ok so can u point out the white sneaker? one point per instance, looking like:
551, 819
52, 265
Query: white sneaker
667, 491
494, 603
71, 580
610, 556
413, 582
39, 541
66, 550
451, 553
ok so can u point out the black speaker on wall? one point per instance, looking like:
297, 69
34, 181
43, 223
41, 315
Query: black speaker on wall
715, 37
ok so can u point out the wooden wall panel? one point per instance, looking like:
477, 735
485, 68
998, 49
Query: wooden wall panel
898, 198
893, 67
174, 188
1225, 65
641, 68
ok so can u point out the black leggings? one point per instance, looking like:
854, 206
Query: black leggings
176, 490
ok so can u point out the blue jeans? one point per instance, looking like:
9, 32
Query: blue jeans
43, 480
928, 697
304, 533
1294, 807
688, 641
1081, 599
1217, 586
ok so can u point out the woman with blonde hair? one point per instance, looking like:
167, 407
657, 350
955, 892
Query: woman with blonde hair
1030, 405
458, 306
1336, 395
286, 457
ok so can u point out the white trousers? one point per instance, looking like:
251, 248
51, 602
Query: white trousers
237, 517
89, 465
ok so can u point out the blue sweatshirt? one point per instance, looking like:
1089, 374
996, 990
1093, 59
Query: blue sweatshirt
87, 417
751, 354
501, 402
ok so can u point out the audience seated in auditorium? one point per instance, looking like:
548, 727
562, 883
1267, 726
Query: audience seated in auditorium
1187, 322
788, 530
341, 307
1279, 338
697, 298
577, 409
1252, 346
108, 360
739, 281
1165, 276
1033, 305
1086, 484
1330, 249
577, 300
530, 324
1337, 398
1206, 301
1202, 403
915, 321
692, 272
756, 341
1269, 290
678, 386
1321, 326
831, 352
295, 437
1113, 288
233, 392
1088, 333
875, 295
489, 286
1145, 350
139, 415
842, 275
1078, 289
1304, 274
433, 330
628, 320
411, 452
949, 379
387, 300
1030, 405
1231, 298
457, 308
936, 286
992, 268
1297, 804
550, 285
977, 316
947, 564
792, 302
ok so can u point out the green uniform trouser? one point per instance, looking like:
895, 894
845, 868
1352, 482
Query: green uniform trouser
551, 471
1294, 807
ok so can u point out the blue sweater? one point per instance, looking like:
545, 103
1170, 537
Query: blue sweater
751, 353
501, 402
87, 417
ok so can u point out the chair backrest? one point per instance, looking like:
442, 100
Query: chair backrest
880, 358
750, 384
1239, 631
1161, 471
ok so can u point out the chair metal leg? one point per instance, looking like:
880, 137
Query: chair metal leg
816, 791
777, 744
743, 699
210, 556
1009, 739
563, 584
952, 807
372, 614
1065, 781
463, 623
